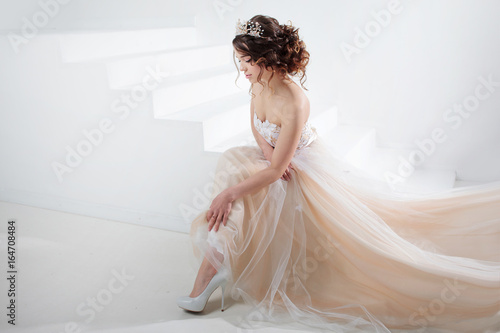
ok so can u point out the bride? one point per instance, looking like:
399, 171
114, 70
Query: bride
299, 238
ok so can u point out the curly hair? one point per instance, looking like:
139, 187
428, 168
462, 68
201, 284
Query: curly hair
280, 48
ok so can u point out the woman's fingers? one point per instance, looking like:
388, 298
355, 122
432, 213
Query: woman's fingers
211, 222
287, 175
215, 221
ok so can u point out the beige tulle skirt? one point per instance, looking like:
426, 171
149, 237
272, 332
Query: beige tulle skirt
335, 250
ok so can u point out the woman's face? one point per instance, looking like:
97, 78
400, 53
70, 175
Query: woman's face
247, 66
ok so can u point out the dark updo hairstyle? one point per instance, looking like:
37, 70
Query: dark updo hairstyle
279, 48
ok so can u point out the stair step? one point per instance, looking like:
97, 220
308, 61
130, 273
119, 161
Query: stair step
384, 159
354, 144
210, 109
117, 22
228, 124
245, 138
426, 181
326, 121
96, 46
123, 73
174, 97
392, 166
232, 113
465, 183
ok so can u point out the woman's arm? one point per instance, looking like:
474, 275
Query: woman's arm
290, 132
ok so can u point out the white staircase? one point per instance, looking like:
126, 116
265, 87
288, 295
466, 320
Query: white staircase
98, 46
199, 86
358, 146
125, 72
172, 98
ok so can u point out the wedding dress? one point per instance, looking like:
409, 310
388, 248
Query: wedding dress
338, 251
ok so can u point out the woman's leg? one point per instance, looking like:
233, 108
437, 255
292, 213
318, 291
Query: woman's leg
205, 274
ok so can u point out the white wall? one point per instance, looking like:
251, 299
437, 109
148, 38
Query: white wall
428, 58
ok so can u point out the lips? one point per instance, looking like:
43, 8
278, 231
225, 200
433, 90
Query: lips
248, 75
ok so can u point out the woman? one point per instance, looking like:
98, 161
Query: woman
299, 238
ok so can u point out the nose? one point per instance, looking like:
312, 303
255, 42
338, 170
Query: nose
242, 66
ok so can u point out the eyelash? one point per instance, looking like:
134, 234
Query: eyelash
246, 60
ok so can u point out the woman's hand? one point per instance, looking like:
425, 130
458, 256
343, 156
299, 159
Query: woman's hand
219, 210
288, 174
268, 153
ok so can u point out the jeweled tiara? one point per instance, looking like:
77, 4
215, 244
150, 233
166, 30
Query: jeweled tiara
249, 28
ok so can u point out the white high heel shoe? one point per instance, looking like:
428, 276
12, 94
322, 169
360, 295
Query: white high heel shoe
198, 303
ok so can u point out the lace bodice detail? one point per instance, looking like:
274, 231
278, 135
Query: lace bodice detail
271, 131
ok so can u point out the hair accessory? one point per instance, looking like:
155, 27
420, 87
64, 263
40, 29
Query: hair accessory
249, 28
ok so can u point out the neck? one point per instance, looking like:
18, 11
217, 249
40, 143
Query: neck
277, 83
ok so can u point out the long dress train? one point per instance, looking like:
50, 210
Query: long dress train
335, 250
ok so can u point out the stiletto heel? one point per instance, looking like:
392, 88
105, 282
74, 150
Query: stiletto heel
223, 286
198, 303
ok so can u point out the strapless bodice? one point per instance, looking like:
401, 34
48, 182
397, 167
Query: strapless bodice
271, 131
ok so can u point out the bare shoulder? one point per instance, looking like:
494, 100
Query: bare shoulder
294, 104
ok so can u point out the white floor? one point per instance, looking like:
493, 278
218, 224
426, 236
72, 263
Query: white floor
77, 273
